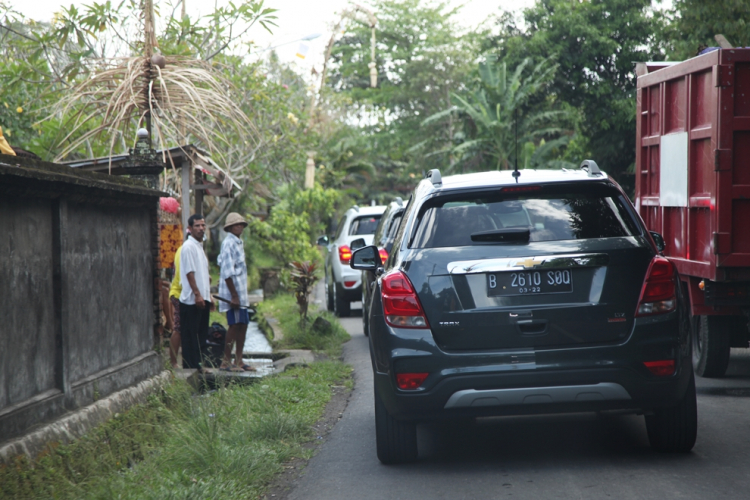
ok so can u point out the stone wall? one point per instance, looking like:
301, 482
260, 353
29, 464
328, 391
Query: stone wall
78, 304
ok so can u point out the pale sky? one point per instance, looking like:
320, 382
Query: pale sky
296, 19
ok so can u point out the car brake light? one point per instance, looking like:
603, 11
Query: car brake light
663, 368
410, 381
658, 292
400, 303
383, 254
520, 189
349, 284
345, 254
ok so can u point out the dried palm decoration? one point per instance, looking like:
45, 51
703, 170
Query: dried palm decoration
176, 98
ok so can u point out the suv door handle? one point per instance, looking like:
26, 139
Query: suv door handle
521, 315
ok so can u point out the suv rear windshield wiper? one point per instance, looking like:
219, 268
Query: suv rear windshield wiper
514, 234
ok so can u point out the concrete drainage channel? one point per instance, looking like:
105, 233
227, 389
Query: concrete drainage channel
257, 353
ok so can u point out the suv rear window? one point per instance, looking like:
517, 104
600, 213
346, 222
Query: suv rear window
550, 214
364, 225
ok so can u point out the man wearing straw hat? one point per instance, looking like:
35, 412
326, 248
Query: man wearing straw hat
233, 286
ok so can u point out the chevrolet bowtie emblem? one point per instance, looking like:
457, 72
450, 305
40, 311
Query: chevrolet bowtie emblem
528, 263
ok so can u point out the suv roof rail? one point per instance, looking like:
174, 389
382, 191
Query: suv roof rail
435, 177
399, 201
356, 208
591, 167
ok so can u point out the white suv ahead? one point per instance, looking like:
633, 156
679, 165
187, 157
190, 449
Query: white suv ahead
344, 284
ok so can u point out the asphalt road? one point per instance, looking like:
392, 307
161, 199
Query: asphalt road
559, 456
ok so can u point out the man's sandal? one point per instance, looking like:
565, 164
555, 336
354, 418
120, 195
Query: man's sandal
247, 368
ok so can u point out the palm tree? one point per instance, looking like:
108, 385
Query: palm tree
494, 121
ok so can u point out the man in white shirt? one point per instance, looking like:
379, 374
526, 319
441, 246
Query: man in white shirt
195, 302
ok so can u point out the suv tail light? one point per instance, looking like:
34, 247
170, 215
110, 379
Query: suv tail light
663, 368
383, 254
410, 381
658, 292
345, 254
400, 303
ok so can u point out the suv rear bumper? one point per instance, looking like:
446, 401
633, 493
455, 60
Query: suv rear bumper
534, 392
352, 293
603, 391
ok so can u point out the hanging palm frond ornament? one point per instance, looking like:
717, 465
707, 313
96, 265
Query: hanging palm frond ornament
177, 99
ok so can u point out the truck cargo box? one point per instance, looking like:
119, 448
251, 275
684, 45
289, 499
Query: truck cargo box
693, 162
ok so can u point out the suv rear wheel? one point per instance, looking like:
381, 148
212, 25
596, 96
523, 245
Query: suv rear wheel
329, 297
396, 440
711, 341
365, 319
341, 306
674, 429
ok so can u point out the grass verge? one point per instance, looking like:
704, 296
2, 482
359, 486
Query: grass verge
228, 443
300, 334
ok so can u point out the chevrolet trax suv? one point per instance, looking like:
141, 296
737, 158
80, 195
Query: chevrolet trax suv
527, 292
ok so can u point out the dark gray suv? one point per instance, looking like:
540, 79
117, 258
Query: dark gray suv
526, 292
385, 233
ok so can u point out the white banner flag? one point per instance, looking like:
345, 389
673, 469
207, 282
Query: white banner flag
302, 50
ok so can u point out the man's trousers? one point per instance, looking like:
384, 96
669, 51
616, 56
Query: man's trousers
194, 334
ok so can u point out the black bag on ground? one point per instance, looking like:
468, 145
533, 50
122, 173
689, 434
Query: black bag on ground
214, 351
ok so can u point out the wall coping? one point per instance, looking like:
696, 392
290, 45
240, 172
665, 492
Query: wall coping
26, 171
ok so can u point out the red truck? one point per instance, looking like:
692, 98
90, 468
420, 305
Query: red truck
693, 188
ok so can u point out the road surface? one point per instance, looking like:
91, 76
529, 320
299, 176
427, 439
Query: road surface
559, 456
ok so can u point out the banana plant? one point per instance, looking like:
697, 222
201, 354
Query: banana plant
496, 122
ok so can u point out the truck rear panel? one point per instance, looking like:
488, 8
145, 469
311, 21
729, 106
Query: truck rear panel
693, 162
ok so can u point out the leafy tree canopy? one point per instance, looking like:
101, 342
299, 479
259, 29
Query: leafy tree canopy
595, 44
694, 23
421, 58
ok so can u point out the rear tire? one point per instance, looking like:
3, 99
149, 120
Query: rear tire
711, 345
341, 306
365, 319
673, 430
329, 297
396, 440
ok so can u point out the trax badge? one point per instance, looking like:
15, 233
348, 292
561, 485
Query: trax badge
619, 318
449, 323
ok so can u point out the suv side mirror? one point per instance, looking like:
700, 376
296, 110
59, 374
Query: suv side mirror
366, 259
660, 245
357, 244
323, 241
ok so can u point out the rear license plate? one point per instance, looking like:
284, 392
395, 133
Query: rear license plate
530, 282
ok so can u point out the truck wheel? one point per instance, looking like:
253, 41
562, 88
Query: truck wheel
711, 337
396, 440
341, 306
674, 429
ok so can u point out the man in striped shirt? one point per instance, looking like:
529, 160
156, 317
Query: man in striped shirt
233, 286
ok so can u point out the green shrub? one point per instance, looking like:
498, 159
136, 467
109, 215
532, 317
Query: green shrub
295, 223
